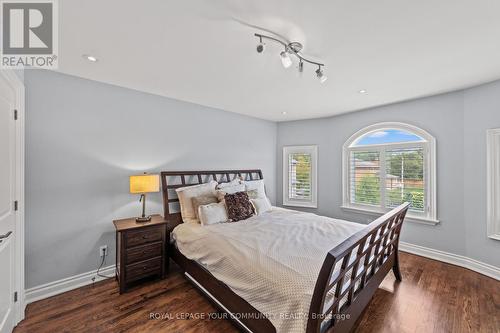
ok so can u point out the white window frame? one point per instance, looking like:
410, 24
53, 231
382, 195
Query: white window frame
313, 151
429, 216
493, 183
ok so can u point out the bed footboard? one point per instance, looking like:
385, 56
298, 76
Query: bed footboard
352, 272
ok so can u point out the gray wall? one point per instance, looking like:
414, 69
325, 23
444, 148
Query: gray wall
20, 74
83, 140
482, 112
458, 121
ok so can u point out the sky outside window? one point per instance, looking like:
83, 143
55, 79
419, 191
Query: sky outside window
387, 136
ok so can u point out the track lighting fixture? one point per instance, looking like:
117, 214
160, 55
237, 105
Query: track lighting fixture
321, 76
292, 48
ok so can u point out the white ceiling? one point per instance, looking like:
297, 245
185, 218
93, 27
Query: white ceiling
204, 51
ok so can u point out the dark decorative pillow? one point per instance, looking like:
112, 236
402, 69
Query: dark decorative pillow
238, 206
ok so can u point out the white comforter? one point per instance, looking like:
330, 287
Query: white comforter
272, 260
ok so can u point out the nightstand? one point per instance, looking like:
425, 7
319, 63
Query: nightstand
141, 250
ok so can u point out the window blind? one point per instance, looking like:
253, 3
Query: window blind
404, 178
299, 176
365, 177
402, 181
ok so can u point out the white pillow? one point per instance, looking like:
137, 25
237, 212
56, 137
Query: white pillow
232, 187
233, 182
212, 213
185, 194
256, 185
261, 205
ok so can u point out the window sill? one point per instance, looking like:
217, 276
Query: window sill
372, 212
300, 204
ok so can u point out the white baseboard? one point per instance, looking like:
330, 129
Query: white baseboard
450, 258
60, 286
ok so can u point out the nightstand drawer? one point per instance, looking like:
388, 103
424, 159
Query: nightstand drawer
144, 252
143, 236
143, 269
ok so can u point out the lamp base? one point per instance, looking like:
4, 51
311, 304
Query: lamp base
143, 219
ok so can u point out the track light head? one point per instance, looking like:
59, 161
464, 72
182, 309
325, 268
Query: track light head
285, 59
301, 66
260, 47
321, 76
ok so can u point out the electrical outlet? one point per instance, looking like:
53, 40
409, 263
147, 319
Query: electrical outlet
103, 251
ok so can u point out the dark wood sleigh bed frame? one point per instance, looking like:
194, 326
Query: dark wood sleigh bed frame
351, 271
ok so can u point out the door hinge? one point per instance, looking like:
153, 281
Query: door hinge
16, 204
15, 296
15, 114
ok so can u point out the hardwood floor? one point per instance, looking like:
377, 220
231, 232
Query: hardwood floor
433, 297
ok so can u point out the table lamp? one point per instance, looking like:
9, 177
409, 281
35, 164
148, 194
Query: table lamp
142, 184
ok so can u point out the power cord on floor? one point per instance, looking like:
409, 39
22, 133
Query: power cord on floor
103, 261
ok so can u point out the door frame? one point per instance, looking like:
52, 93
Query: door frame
18, 86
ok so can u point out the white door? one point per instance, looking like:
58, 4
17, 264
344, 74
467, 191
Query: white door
7, 205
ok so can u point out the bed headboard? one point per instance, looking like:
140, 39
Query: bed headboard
171, 180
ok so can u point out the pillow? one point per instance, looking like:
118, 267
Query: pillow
232, 187
253, 194
261, 205
202, 200
186, 193
256, 185
212, 213
238, 206
233, 182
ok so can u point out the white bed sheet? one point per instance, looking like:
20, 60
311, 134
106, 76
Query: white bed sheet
272, 260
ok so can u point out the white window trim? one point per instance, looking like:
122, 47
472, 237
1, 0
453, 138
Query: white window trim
378, 212
493, 183
430, 215
310, 149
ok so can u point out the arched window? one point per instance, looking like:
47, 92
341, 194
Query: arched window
387, 164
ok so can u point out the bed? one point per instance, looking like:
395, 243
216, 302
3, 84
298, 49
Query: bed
268, 275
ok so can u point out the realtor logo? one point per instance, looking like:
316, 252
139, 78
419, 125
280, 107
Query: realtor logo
29, 34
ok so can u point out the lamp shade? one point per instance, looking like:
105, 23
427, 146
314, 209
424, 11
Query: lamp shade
144, 183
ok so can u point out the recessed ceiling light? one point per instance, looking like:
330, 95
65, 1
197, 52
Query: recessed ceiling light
362, 91
90, 58
283, 113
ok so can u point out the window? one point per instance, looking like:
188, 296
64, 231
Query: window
300, 176
493, 183
387, 164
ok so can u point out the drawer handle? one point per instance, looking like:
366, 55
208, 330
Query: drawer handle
145, 237
145, 267
143, 252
